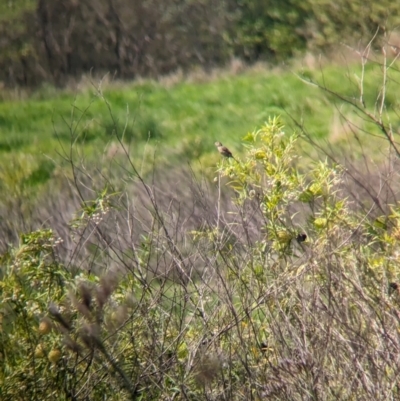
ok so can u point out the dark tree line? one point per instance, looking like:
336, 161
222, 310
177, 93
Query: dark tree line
55, 40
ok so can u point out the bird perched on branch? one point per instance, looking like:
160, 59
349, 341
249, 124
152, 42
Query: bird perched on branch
224, 150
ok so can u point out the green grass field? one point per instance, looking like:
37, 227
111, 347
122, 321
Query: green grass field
224, 107
184, 117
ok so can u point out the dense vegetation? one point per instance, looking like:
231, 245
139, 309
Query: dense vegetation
287, 292
277, 280
56, 41
136, 263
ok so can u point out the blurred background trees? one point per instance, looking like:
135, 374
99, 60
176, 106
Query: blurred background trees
54, 41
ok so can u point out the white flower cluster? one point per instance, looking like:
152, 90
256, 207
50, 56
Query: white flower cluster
97, 217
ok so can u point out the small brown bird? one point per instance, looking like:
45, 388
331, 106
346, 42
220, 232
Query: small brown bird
224, 150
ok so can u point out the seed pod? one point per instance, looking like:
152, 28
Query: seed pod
39, 351
44, 326
54, 355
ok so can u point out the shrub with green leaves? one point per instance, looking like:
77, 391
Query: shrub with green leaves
289, 293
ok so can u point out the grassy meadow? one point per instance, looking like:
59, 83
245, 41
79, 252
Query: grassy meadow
176, 112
